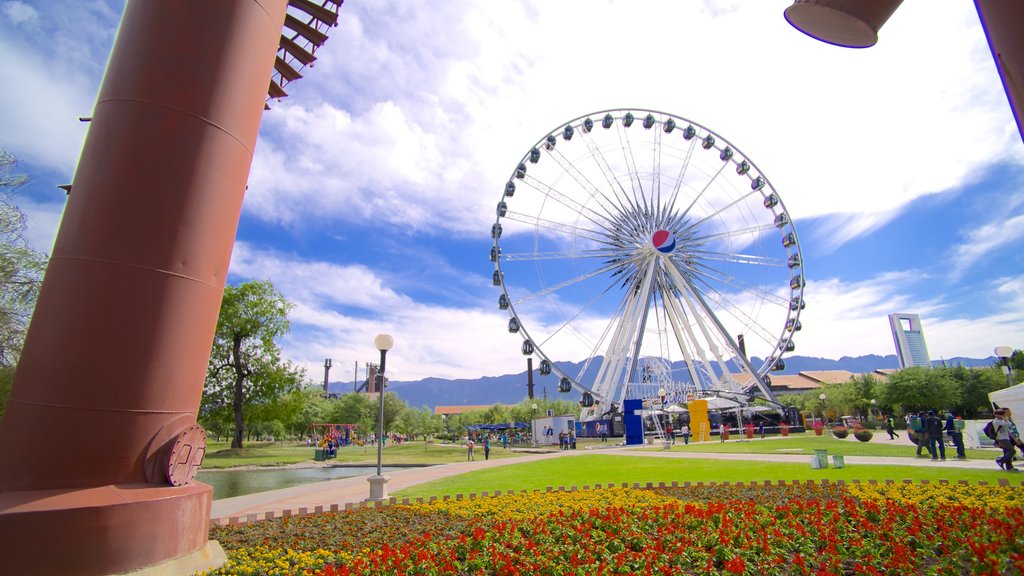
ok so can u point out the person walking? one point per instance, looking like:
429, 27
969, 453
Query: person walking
760, 429
933, 428
469, 449
890, 427
685, 432
1001, 424
669, 433
917, 431
504, 440
487, 448
1014, 433
954, 428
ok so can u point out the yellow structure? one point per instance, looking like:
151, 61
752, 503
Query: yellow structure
699, 424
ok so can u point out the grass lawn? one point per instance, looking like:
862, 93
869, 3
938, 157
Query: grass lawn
221, 455
593, 469
808, 442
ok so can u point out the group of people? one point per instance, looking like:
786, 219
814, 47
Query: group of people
471, 446
566, 440
928, 430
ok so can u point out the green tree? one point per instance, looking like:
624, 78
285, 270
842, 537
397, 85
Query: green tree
314, 408
21, 268
354, 408
918, 388
973, 385
394, 407
246, 368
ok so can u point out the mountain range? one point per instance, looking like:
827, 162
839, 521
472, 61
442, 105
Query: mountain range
511, 388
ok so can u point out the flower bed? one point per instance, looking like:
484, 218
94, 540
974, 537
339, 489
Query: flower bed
725, 529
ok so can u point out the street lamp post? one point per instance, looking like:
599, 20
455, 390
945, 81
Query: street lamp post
873, 403
533, 424
379, 483
1004, 353
822, 398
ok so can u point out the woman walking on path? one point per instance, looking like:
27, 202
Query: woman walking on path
487, 448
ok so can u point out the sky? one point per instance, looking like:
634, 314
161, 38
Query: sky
374, 183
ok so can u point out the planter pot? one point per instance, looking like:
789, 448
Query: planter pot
840, 432
863, 435
818, 431
749, 433
785, 431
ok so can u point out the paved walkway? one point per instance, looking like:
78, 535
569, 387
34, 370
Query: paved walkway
355, 489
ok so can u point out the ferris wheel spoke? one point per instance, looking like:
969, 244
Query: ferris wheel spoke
610, 207
716, 213
738, 232
679, 179
725, 302
741, 258
599, 220
700, 194
565, 284
567, 255
625, 207
708, 274
566, 229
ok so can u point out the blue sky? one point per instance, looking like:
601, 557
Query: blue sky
374, 184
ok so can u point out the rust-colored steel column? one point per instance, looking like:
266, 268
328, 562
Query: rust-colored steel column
1003, 21
109, 383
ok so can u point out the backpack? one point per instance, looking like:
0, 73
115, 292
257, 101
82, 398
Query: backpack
990, 430
916, 425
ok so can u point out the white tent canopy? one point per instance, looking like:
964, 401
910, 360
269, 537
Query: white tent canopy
1012, 398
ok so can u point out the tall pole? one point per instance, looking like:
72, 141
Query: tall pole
379, 482
327, 372
380, 411
117, 352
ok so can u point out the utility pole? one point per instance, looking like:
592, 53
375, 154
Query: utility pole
529, 378
327, 371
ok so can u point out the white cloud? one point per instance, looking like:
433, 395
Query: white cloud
19, 12
438, 107
981, 241
340, 308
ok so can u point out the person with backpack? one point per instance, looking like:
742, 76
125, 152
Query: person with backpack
955, 429
916, 423
999, 430
933, 428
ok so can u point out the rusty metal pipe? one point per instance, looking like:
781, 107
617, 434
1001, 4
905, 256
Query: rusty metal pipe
114, 363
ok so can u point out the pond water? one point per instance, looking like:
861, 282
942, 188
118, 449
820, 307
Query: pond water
230, 483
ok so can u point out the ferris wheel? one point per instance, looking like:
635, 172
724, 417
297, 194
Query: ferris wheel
648, 256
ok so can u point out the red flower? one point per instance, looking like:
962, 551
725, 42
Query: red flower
737, 565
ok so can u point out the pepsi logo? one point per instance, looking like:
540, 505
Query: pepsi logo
663, 241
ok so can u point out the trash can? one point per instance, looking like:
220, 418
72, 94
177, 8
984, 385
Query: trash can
837, 461
822, 457
318, 455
